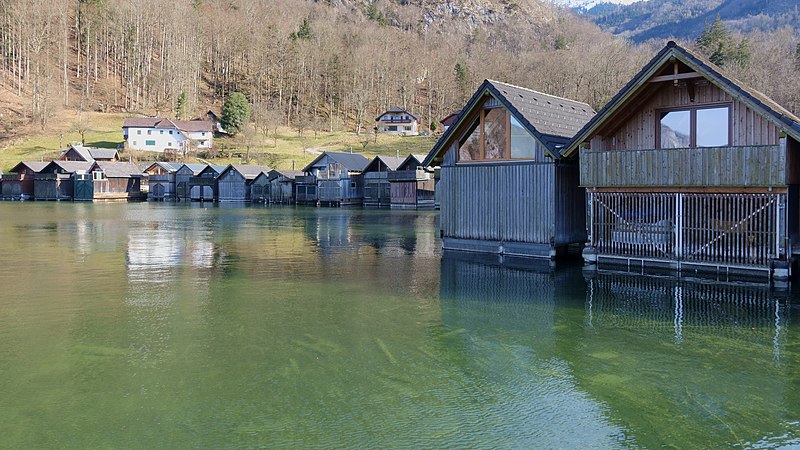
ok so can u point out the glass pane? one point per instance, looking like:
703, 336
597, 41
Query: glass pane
712, 127
522, 143
675, 129
470, 149
494, 126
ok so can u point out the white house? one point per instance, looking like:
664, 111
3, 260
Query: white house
398, 121
156, 135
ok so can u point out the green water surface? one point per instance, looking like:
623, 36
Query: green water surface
184, 326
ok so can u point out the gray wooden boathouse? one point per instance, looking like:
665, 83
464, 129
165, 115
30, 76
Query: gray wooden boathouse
688, 169
377, 191
203, 187
161, 181
282, 185
338, 179
18, 184
411, 186
56, 181
233, 183
505, 185
182, 177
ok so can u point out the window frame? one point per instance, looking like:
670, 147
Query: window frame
693, 122
481, 116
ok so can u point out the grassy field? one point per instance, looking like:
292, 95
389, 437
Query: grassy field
290, 148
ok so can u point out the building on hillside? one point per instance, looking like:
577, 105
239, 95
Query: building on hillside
398, 121
160, 135
19, 183
203, 186
78, 152
338, 178
233, 183
376, 181
212, 117
56, 181
689, 169
411, 186
182, 177
109, 180
282, 185
161, 181
505, 185
448, 121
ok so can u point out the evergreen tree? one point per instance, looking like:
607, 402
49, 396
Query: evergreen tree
180, 106
304, 33
235, 113
718, 44
462, 80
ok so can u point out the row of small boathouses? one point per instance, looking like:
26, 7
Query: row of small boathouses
686, 169
334, 179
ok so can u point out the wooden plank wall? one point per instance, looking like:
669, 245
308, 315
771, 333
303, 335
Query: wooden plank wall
639, 131
758, 166
511, 202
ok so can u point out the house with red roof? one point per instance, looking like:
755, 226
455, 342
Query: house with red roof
157, 135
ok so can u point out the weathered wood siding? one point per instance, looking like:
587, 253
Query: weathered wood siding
638, 132
161, 187
281, 191
260, 190
570, 205
377, 191
182, 189
710, 166
509, 202
349, 190
232, 187
53, 186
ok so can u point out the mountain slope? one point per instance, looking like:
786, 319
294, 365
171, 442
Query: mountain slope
663, 19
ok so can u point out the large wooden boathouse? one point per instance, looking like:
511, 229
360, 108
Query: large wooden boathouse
505, 185
688, 169
411, 186
337, 177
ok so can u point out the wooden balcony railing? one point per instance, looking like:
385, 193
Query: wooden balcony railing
758, 165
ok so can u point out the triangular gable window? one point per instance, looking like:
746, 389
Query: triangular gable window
496, 135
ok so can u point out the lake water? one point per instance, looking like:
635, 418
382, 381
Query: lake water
144, 325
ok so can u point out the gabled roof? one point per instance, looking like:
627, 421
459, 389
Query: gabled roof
288, 174
68, 166
552, 120
672, 51
117, 169
33, 166
396, 110
103, 153
391, 163
249, 172
450, 119
189, 126
353, 162
195, 168
415, 160
169, 167
82, 151
212, 168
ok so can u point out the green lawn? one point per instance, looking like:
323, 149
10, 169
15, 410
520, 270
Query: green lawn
105, 130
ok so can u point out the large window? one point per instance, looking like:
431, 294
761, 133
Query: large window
497, 135
695, 127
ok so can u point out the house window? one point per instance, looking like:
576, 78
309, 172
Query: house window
169, 144
149, 142
392, 128
149, 132
352, 185
170, 131
497, 135
98, 175
694, 127
134, 142
407, 128
160, 131
138, 131
203, 133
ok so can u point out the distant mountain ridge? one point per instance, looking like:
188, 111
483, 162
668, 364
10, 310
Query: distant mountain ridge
685, 19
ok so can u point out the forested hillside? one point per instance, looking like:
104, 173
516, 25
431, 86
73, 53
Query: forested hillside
328, 65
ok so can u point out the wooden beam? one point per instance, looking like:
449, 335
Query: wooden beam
675, 77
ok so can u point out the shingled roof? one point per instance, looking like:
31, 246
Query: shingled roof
412, 159
34, 166
188, 126
391, 162
782, 118
353, 162
68, 166
288, 174
552, 120
118, 169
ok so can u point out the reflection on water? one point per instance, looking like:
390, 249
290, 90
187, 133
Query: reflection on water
150, 325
